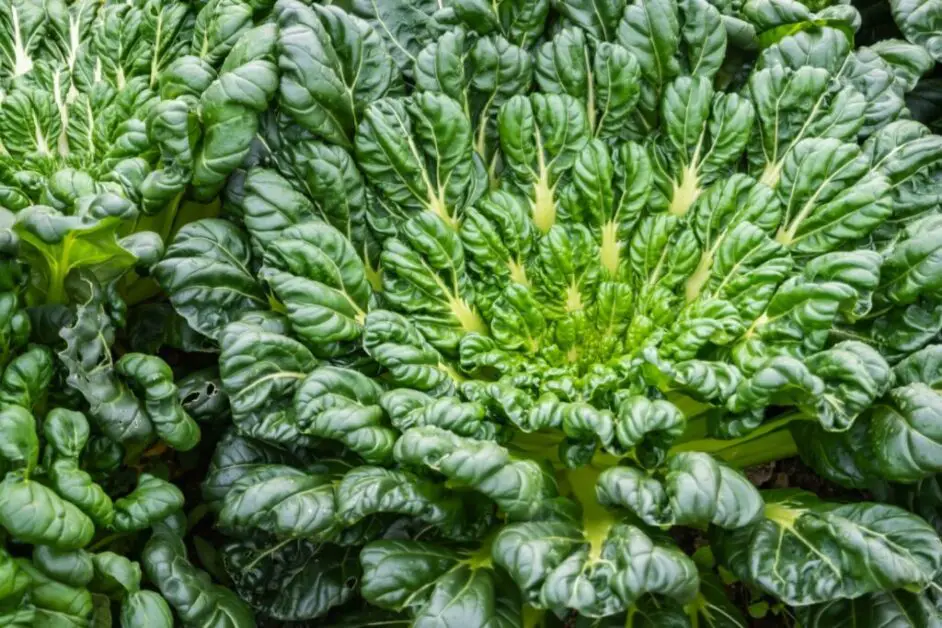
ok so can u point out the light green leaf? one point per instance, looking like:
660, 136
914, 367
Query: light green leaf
145, 609
26, 378
19, 443
33, 513
150, 501
115, 576
71, 567
76, 486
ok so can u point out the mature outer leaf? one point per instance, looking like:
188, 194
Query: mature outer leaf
202, 397
669, 42
608, 80
696, 490
558, 566
230, 108
516, 486
206, 274
67, 431
522, 23
55, 601
410, 408
404, 26
332, 65
76, 486
598, 17
436, 585
14, 580
71, 567
923, 366
890, 608
321, 280
833, 386
235, 457
867, 83
26, 378
920, 22
905, 151
481, 75
19, 618
369, 490
902, 433
153, 377
145, 609
735, 504
787, 99
342, 404
152, 500
188, 590
35, 514
14, 326
816, 218
270, 206
330, 179
909, 62
19, 443
216, 30
396, 344
910, 268
805, 551
260, 372
87, 356
896, 439
418, 153
170, 126
281, 501
293, 581
115, 576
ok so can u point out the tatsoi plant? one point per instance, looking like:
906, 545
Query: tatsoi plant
64, 581
85, 481
119, 102
501, 300
501, 308
99, 432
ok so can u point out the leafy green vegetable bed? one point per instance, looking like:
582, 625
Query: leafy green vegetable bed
469, 314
